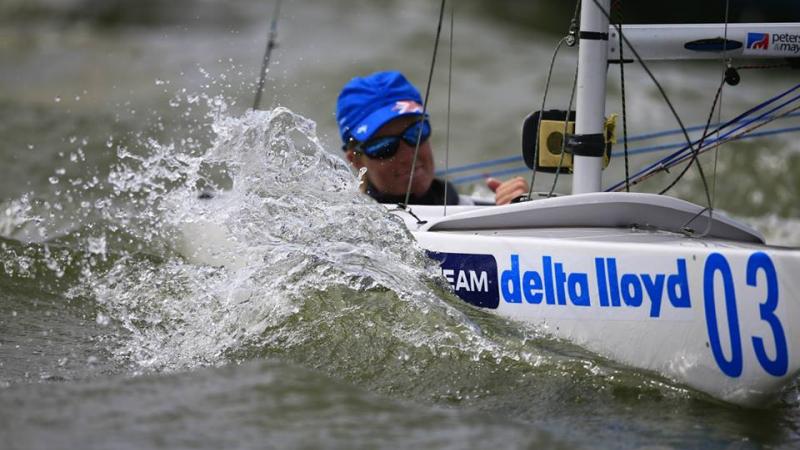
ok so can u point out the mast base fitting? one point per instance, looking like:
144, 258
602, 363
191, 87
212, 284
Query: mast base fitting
550, 137
587, 144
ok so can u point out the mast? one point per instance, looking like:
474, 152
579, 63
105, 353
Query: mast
588, 142
694, 41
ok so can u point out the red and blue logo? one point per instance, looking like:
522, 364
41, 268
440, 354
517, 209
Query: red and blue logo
758, 41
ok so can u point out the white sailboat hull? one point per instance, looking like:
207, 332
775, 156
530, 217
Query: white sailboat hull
719, 318
619, 274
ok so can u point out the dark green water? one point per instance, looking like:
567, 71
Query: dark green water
328, 327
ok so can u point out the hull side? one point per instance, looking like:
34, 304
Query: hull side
718, 318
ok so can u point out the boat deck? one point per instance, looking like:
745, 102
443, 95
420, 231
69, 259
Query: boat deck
606, 217
615, 235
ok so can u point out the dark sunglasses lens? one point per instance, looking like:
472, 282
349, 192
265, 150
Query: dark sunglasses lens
411, 133
382, 148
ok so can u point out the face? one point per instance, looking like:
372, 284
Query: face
390, 176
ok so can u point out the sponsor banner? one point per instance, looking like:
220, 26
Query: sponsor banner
472, 277
772, 44
584, 287
737, 302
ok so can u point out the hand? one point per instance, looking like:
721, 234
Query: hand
505, 191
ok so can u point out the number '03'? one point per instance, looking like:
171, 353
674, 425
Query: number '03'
758, 263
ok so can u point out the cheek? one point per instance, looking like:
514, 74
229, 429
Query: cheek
426, 155
382, 167
380, 173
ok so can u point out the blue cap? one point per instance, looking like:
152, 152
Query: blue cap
368, 103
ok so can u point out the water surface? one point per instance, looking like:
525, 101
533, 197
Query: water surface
321, 323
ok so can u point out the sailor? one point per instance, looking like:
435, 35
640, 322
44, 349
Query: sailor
380, 118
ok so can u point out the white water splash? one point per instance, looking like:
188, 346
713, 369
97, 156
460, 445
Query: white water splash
243, 262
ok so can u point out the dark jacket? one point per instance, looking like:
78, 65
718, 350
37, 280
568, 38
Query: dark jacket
434, 196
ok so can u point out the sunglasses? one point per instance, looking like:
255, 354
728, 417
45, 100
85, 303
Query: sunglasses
384, 147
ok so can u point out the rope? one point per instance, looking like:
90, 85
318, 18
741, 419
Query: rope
763, 116
631, 152
702, 139
425, 105
677, 157
539, 122
449, 96
665, 162
566, 127
661, 147
570, 40
665, 97
728, 138
763, 66
618, 7
273, 34
725, 64
523, 168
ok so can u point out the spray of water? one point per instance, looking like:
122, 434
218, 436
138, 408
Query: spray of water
250, 240
191, 273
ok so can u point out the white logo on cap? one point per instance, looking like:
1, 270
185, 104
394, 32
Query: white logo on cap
407, 106
362, 129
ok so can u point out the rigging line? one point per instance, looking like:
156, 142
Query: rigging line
665, 167
689, 231
425, 103
273, 34
719, 143
464, 179
764, 116
539, 121
481, 165
449, 97
574, 22
719, 119
763, 66
635, 151
661, 147
570, 39
523, 168
663, 94
624, 110
728, 138
658, 134
658, 165
725, 139
761, 106
566, 127
573, 27
701, 140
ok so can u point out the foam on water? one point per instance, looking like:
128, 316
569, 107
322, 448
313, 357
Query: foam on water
289, 259
291, 236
